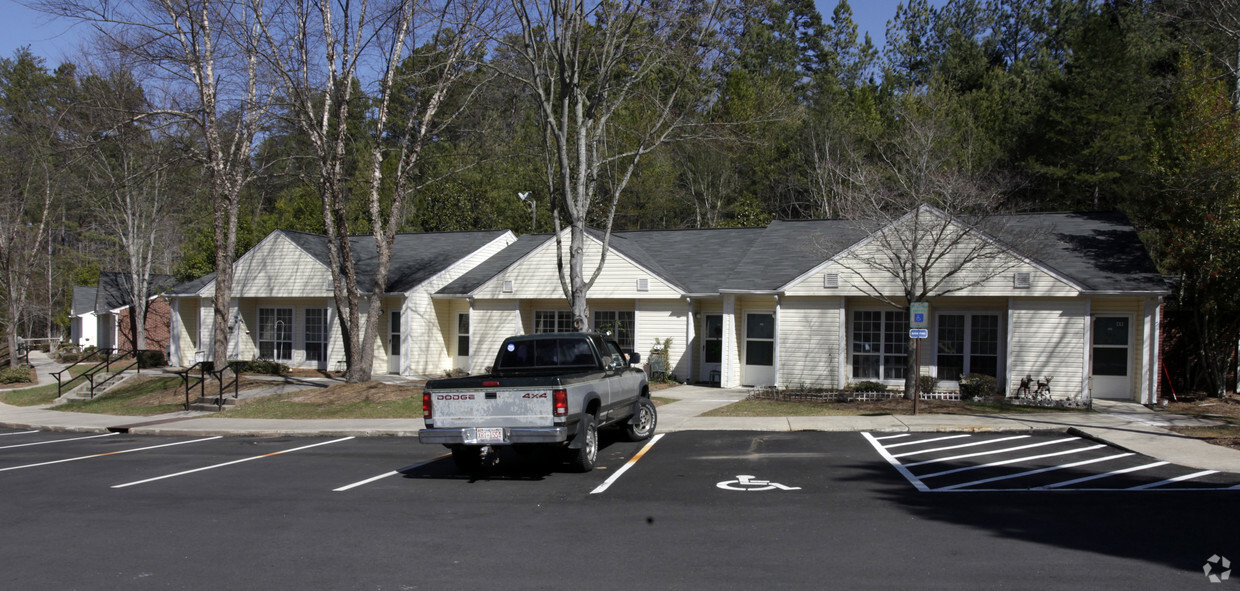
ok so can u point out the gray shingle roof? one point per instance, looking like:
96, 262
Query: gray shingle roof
1098, 251
476, 277
83, 299
192, 287
114, 289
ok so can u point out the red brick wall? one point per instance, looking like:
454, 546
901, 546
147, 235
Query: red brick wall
158, 326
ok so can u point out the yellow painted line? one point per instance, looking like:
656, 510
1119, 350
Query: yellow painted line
212, 467
627, 465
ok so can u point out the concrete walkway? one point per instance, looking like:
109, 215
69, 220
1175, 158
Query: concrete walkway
1126, 425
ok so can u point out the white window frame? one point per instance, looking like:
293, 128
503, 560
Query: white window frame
327, 333
881, 354
560, 323
969, 313
632, 328
259, 340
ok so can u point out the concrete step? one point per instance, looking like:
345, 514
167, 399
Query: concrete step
211, 403
106, 382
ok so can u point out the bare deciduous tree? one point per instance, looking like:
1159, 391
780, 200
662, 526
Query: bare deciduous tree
420, 53
612, 81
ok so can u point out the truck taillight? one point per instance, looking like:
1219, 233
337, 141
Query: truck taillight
559, 403
427, 412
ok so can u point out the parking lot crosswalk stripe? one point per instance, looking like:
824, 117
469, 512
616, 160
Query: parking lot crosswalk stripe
993, 451
111, 453
58, 440
249, 459
891, 437
629, 464
18, 433
962, 445
921, 486
921, 441
1103, 475
1012, 461
1032, 472
392, 473
1175, 480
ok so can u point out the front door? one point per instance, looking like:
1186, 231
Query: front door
394, 342
462, 341
316, 337
758, 364
1111, 357
712, 348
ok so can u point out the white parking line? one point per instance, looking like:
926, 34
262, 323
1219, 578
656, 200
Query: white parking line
921, 441
921, 486
614, 477
1032, 472
974, 444
1103, 475
58, 440
392, 473
993, 451
111, 453
891, 437
1176, 479
18, 433
1013, 461
205, 468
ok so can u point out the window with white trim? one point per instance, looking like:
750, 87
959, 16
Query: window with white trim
553, 321
316, 334
275, 334
967, 343
879, 344
621, 323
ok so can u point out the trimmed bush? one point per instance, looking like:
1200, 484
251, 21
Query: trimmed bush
929, 384
869, 387
15, 375
976, 385
69, 357
270, 368
151, 359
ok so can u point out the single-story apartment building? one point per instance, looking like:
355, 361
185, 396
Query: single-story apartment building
1073, 296
99, 314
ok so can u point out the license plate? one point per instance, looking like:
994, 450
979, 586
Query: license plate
489, 435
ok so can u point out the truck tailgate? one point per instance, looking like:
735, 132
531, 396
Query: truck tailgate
511, 407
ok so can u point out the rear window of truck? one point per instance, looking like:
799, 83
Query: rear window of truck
550, 352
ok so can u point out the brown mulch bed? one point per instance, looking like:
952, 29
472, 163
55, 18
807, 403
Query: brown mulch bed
1225, 409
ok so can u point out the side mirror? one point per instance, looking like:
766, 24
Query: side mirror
635, 358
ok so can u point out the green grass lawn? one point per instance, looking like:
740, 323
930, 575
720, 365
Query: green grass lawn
281, 407
43, 394
140, 398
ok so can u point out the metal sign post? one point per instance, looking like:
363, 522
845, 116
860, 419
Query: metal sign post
919, 328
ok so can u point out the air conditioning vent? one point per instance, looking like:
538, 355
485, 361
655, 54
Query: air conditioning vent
507, 288
1022, 280
831, 280
643, 285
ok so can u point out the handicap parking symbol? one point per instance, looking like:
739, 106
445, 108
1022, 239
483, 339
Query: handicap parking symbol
748, 483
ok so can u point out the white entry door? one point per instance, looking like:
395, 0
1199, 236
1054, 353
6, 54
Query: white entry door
712, 348
462, 341
1111, 357
394, 342
758, 364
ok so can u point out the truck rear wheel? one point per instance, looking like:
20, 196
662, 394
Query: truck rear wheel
467, 458
641, 426
583, 458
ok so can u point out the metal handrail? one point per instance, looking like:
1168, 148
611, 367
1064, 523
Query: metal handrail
202, 379
60, 384
236, 384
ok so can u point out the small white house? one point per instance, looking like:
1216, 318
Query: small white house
283, 308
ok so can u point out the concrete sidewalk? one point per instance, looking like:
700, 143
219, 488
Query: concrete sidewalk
1129, 426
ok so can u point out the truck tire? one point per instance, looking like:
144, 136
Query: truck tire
583, 458
641, 426
467, 458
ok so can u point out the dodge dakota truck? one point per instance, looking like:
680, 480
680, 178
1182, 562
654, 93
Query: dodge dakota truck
554, 389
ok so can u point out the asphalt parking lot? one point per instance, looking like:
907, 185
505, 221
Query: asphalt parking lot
725, 510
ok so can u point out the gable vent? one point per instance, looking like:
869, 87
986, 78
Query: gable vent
507, 288
1022, 280
831, 280
643, 285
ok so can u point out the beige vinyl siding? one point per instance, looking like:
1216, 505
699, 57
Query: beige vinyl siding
491, 321
1133, 308
425, 350
1048, 339
537, 277
277, 267
206, 327
808, 342
188, 320
659, 320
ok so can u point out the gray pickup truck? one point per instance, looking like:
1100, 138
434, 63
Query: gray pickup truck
547, 390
